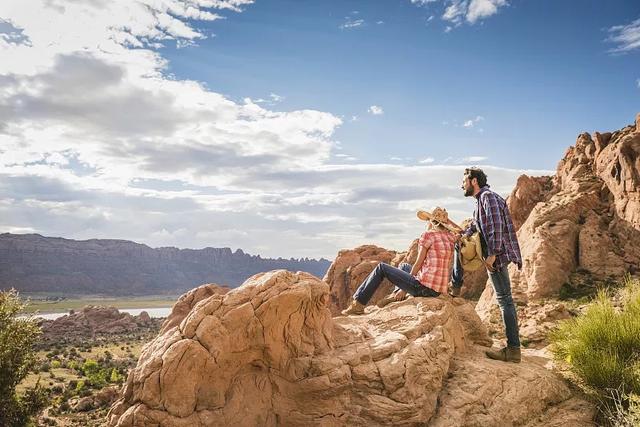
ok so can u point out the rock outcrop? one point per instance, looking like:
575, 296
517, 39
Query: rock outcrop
589, 219
351, 267
269, 353
95, 321
186, 302
583, 221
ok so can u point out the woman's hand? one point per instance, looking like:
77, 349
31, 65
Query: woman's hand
400, 295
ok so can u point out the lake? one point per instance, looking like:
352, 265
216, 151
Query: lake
153, 312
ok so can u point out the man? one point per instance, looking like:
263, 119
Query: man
430, 273
491, 217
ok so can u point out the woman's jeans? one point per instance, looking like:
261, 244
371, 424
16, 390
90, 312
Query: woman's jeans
400, 277
502, 288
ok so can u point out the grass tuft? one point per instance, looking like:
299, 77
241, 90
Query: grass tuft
601, 348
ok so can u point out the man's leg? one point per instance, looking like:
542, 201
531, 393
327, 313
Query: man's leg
457, 273
502, 288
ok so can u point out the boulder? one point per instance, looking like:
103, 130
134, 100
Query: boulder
351, 267
269, 353
187, 301
528, 192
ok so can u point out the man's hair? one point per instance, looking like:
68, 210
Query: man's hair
478, 174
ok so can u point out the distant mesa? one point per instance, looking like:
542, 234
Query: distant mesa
34, 263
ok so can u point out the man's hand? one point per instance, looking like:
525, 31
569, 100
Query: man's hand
400, 295
489, 263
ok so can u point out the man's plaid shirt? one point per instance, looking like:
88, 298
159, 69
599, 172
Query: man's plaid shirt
494, 220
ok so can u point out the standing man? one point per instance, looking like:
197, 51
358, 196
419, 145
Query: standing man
491, 217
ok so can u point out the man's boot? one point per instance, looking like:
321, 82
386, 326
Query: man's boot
355, 308
505, 354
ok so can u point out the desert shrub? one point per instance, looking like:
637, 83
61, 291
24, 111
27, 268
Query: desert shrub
17, 358
115, 376
96, 375
602, 348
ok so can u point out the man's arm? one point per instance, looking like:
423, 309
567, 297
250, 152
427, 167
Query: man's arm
470, 229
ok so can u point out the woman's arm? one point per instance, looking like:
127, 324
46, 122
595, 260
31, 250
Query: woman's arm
422, 254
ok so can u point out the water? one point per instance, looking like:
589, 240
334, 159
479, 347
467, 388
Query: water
153, 312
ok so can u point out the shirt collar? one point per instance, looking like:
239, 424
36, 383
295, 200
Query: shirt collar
482, 190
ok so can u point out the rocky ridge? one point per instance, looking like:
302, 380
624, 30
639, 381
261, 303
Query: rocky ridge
95, 321
269, 353
587, 220
34, 263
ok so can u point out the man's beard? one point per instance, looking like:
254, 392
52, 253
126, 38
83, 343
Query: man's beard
468, 192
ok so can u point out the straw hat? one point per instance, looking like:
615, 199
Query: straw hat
438, 215
471, 252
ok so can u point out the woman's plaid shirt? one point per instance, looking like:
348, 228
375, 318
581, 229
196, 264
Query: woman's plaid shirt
435, 271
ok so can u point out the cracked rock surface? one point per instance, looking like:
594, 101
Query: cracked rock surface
269, 353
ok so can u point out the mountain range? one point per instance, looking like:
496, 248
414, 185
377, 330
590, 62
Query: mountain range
35, 263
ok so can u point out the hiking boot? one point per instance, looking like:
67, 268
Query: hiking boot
386, 300
454, 292
355, 308
505, 354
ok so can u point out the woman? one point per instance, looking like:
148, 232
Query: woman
430, 274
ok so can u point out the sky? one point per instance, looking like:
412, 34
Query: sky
293, 128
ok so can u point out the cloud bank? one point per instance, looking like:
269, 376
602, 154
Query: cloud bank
97, 141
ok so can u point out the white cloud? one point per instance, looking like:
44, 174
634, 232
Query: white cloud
354, 119
479, 9
458, 11
350, 23
473, 159
96, 141
627, 37
375, 110
423, 2
427, 160
472, 122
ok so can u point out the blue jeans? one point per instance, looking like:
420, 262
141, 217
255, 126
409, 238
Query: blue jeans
400, 277
502, 288
457, 273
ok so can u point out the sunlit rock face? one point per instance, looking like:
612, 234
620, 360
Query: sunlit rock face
586, 217
269, 353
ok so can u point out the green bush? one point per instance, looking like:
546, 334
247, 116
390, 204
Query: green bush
602, 347
17, 358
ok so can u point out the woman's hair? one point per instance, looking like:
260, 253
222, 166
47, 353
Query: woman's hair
437, 226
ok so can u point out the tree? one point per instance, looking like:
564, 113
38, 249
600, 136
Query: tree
17, 357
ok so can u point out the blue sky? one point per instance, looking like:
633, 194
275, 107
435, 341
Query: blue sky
293, 128
538, 72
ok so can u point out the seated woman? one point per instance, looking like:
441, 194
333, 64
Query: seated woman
429, 275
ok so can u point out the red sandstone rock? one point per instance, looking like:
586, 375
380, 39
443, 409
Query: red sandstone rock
590, 219
269, 353
187, 301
